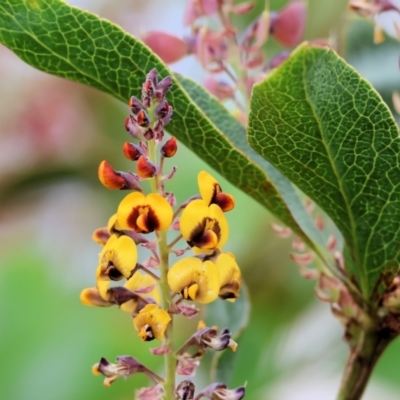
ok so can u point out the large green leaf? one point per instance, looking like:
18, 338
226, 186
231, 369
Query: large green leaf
329, 132
77, 45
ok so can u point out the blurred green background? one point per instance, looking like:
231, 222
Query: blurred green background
54, 134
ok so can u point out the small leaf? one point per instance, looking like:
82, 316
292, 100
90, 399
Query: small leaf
328, 131
234, 316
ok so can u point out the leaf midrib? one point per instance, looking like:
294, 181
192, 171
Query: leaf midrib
337, 176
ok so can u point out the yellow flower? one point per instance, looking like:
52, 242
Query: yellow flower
139, 281
117, 259
204, 227
194, 279
102, 235
151, 322
144, 214
230, 277
211, 192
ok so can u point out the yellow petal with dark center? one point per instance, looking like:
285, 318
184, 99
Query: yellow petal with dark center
192, 217
126, 208
192, 271
162, 209
208, 186
122, 253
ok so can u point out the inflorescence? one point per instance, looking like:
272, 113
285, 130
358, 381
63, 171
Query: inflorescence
152, 291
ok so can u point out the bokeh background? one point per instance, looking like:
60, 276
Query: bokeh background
53, 135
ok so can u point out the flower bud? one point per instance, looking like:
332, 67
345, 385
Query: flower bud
163, 87
142, 118
145, 168
287, 26
220, 89
219, 391
135, 105
110, 178
168, 47
131, 151
199, 8
169, 148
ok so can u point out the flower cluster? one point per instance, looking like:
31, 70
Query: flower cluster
150, 290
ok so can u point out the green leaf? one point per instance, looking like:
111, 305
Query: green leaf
234, 316
71, 43
328, 131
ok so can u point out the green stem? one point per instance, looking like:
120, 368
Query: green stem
170, 361
361, 361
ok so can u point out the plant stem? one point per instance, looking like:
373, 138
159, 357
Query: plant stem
170, 361
362, 360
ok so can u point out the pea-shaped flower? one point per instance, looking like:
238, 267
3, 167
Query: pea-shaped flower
144, 214
230, 277
211, 192
117, 259
151, 322
195, 279
204, 227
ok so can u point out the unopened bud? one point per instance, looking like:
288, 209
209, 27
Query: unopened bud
168, 47
163, 87
142, 119
199, 8
169, 148
287, 26
131, 151
110, 178
145, 168
135, 105
220, 89
163, 112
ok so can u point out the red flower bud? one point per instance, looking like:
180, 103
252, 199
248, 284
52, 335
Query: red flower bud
168, 47
169, 148
287, 26
145, 168
110, 178
143, 119
131, 151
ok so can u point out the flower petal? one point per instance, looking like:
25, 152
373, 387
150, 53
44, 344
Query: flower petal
229, 276
127, 210
195, 279
162, 209
208, 186
151, 322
